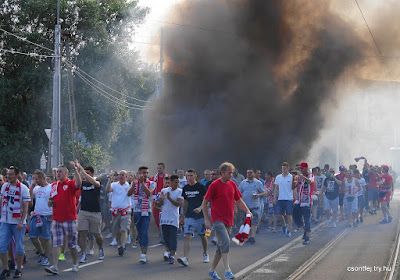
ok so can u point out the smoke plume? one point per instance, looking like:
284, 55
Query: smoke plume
249, 83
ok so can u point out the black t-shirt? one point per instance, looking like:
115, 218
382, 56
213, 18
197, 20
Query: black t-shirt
331, 188
90, 197
194, 196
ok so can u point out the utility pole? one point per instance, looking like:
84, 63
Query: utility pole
71, 99
55, 125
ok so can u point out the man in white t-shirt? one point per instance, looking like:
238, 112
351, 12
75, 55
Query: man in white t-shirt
41, 216
182, 179
170, 200
14, 209
120, 210
360, 196
283, 198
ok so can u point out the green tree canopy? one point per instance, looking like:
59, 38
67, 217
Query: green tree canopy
100, 32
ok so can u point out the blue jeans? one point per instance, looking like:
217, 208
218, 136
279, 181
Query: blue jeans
142, 226
306, 213
43, 231
7, 231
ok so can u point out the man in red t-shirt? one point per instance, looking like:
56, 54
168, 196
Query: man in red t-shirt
385, 192
63, 200
222, 194
159, 180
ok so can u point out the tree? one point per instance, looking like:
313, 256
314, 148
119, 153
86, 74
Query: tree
99, 32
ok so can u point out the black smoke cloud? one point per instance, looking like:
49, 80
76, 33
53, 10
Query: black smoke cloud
249, 91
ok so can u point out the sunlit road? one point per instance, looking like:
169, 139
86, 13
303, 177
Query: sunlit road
368, 245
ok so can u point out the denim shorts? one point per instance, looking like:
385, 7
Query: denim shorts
194, 225
42, 231
7, 231
284, 206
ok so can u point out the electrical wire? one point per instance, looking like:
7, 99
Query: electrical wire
370, 32
110, 96
27, 54
91, 77
26, 40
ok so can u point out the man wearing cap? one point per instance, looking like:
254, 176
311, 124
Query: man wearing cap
304, 186
341, 176
385, 192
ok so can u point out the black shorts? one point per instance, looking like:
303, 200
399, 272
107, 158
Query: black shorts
341, 197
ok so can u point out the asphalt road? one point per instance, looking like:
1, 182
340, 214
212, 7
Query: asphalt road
367, 245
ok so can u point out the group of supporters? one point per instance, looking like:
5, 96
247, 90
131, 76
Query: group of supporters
64, 212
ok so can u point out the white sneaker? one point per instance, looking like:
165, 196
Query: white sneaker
166, 256
114, 242
75, 267
83, 259
328, 223
45, 262
143, 258
78, 249
128, 241
183, 261
109, 235
90, 252
206, 258
334, 225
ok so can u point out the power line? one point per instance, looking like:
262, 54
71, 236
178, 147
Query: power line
370, 32
110, 96
106, 96
27, 54
121, 93
24, 39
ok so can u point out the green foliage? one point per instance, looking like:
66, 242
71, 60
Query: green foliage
99, 32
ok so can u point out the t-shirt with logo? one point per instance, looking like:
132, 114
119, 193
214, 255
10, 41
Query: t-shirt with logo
64, 208
120, 198
42, 195
90, 197
222, 196
170, 213
320, 181
194, 196
331, 188
386, 180
11, 203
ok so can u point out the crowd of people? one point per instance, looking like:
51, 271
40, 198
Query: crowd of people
62, 211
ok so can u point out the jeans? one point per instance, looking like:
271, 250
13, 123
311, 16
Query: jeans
142, 226
7, 231
306, 213
170, 236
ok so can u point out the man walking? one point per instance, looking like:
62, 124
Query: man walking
89, 217
63, 200
142, 193
41, 217
14, 209
251, 190
222, 194
283, 198
192, 217
170, 199
120, 210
